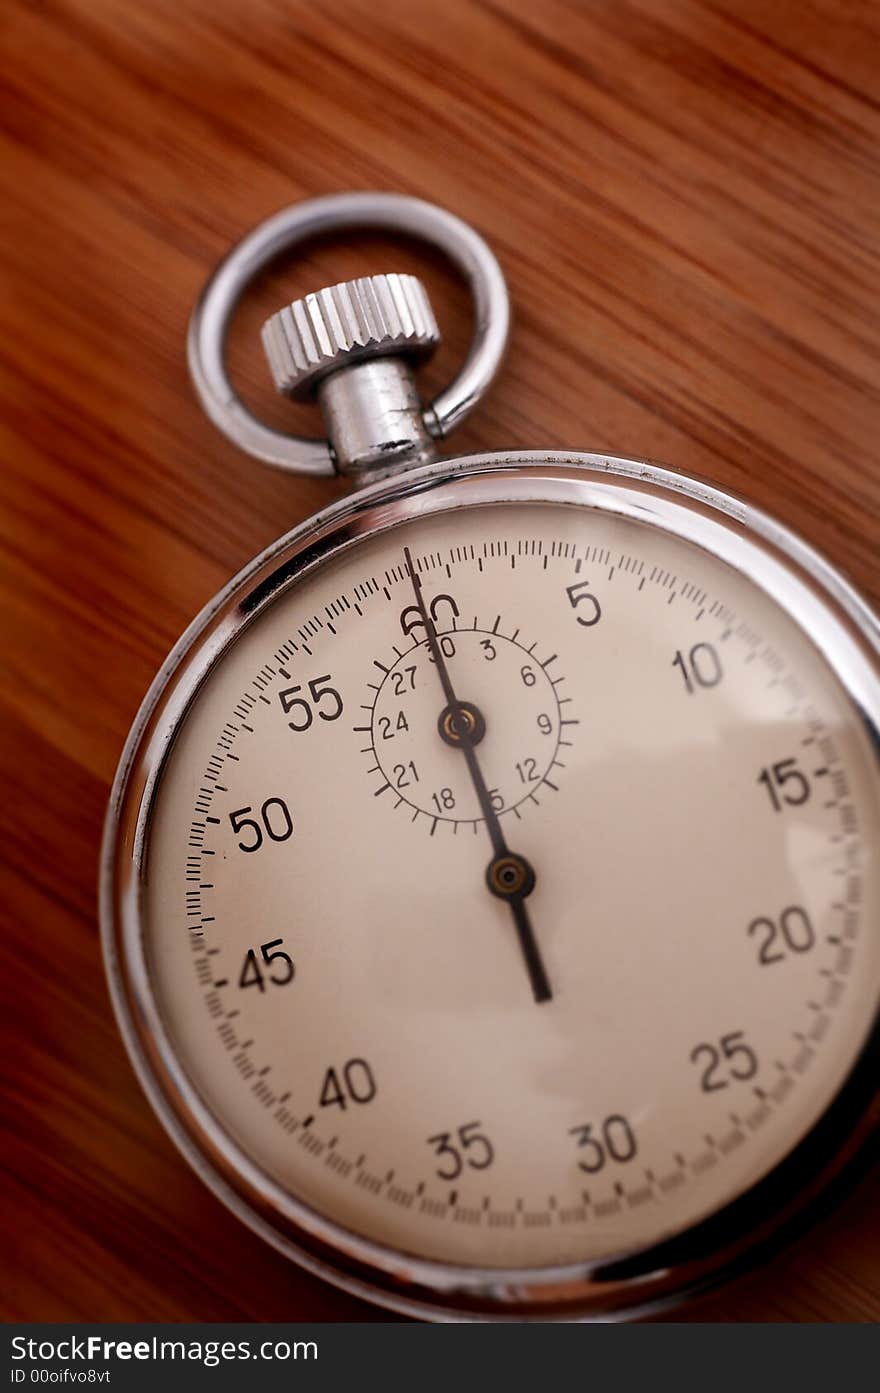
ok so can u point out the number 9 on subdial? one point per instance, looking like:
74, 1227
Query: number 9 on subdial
521, 696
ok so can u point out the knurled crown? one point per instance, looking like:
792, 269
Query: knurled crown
346, 323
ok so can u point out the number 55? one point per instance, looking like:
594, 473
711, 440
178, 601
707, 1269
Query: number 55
290, 701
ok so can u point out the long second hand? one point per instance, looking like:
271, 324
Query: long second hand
524, 876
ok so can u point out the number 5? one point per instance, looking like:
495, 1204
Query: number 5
593, 613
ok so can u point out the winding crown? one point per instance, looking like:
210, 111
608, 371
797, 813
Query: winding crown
345, 324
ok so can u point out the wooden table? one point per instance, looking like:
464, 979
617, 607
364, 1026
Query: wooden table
685, 198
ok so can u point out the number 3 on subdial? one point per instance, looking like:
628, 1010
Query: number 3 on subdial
521, 697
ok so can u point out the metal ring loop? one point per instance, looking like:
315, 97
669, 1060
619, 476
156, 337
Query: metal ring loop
209, 323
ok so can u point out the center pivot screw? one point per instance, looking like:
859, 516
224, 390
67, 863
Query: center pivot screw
510, 876
465, 723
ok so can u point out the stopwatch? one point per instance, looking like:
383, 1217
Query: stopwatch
490, 884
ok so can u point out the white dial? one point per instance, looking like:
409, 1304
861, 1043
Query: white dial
689, 805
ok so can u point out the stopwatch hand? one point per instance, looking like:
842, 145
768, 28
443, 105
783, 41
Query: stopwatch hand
508, 875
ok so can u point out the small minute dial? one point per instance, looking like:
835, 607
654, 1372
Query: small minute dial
518, 690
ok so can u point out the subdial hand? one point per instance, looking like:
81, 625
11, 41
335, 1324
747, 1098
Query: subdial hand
508, 875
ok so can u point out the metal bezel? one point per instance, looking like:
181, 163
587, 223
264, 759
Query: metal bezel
840, 626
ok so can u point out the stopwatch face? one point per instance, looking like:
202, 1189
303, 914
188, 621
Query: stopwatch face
671, 726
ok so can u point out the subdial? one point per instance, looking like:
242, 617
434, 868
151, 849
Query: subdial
506, 689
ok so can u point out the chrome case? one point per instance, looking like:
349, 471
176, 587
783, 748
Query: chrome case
631, 1283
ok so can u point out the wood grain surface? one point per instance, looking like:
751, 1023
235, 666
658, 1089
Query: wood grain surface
685, 198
